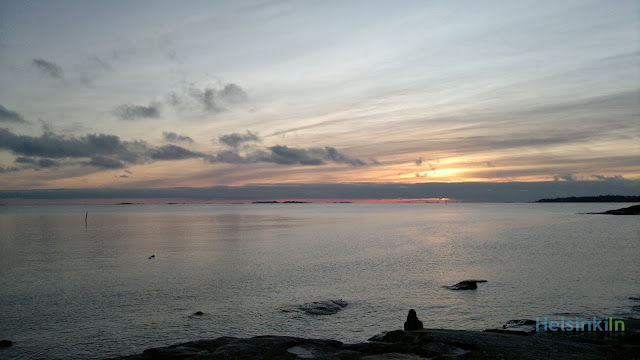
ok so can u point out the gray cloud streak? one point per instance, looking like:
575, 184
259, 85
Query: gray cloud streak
133, 112
10, 116
173, 137
48, 68
105, 162
37, 163
174, 152
209, 99
235, 139
284, 155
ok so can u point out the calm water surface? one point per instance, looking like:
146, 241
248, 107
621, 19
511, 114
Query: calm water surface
71, 292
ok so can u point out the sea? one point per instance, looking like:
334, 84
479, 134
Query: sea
133, 276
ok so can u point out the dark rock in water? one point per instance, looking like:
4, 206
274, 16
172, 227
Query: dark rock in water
5, 343
198, 313
412, 322
152, 256
517, 327
466, 285
327, 307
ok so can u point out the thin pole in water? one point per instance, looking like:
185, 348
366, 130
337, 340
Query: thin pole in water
86, 215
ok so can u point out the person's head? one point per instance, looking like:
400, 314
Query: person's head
412, 314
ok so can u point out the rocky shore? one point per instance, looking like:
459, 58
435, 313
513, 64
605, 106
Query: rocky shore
418, 344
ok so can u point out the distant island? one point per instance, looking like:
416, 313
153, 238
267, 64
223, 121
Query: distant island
601, 198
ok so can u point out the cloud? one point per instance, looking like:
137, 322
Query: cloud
173, 137
565, 177
613, 178
334, 155
46, 163
233, 94
51, 145
48, 68
173, 152
235, 139
208, 98
7, 115
105, 151
105, 162
287, 156
284, 155
229, 157
4, 170
133, 112
36, 163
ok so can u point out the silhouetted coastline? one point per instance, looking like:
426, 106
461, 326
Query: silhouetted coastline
601, 198
631, 210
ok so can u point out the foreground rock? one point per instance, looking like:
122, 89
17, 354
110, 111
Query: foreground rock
631, 210
5, 343
399, 344
466, 285
327, 307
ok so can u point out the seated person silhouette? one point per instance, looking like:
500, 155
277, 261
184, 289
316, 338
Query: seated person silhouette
412, 322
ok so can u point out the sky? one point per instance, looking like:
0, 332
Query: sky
127, 95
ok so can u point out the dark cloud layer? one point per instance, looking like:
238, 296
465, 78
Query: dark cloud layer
11, 116
476, 191
236, 139
109, 152
38, 163
174, 152
133, 112
173, 137
284, 155
51, 145
48, 68
105, 162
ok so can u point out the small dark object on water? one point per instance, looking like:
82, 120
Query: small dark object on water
327, 307
466, 285
5, 343
152, 256
412, 322
198, 313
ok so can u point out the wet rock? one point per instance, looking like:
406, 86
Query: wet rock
5, 343
327, 307
466, 285
412, 322
517, 327
198, 313
402, 345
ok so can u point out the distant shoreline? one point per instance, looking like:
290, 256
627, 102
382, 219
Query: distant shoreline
601, 198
